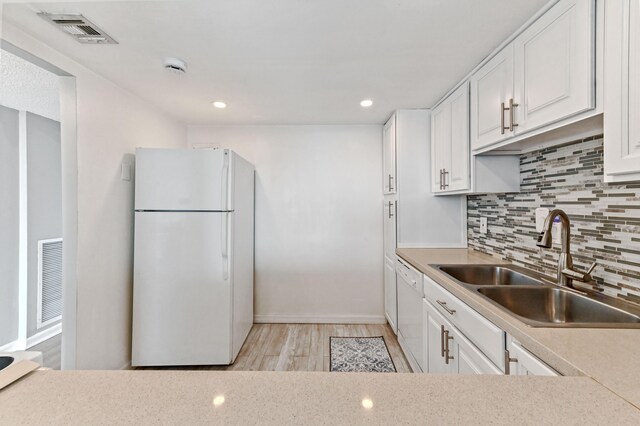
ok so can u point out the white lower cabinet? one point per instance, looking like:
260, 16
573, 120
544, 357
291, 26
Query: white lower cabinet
524, 363
390, 295
448, 351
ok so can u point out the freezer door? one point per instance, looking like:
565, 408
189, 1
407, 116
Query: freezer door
182, 292
183, 180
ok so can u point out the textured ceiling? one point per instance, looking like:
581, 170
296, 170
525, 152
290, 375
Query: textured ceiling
286, 61
27, 87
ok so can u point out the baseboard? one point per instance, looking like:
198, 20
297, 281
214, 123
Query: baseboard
126, 366
44, 335
302, 319
11, 346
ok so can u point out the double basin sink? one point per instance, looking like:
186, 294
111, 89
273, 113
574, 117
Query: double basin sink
538, 302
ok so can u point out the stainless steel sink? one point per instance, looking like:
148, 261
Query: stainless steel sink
548, 306
5, 361
539, 302
475, 275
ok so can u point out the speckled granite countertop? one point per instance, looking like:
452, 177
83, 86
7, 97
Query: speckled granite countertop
279, 398
594, 357
609, 356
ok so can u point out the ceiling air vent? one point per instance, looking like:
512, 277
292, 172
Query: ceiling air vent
78, 27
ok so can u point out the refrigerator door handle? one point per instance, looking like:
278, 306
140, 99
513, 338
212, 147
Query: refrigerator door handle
225, 246
225, 182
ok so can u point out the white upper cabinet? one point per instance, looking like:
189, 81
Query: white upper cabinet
453, 169
622, 91
389, 156
491, 92
545, 75
555, 66
450, 143
457, 173
440, 145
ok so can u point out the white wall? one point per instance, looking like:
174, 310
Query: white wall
111, 123
44, 201
318, 255
9, 223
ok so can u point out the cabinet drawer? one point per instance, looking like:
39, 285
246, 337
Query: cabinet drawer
412, 276
484, 334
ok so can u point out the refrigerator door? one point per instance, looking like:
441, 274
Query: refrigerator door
182, 293
183, 180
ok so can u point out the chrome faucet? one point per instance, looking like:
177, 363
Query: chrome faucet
566, 273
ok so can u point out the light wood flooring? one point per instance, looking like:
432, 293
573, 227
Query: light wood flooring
277, 347
301, 347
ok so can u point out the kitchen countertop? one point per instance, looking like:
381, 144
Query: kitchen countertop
609, 356
602, 385
190, 397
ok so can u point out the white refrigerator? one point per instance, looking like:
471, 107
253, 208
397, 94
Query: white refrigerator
193, 257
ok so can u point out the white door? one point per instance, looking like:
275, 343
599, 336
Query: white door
435, 337
390, 295
555, 65
389, 229
457, 174
524, 363
182, 180
491, 87
622, 94
389, 156
468, 359
182, 290
390, 238
440, 145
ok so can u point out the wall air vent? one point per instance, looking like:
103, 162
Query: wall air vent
49, 308
78, 27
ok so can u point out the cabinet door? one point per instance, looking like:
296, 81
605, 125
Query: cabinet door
555, 65
389, 156
622, 95
491, 86
467, 359
434, 337
457, 173
389, 229
440, 144
390, 295
524, 363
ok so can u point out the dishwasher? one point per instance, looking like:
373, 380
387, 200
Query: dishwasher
410, 295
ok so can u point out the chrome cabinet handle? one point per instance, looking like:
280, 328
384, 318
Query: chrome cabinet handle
442, 341
447, 357
507, 362
444, 306
390, 185
444, 175
502, 126
390, 213
512, 107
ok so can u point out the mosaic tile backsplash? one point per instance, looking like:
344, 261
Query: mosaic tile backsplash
605, 218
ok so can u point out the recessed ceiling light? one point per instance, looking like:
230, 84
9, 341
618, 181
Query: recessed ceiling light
219, 104
366, 103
